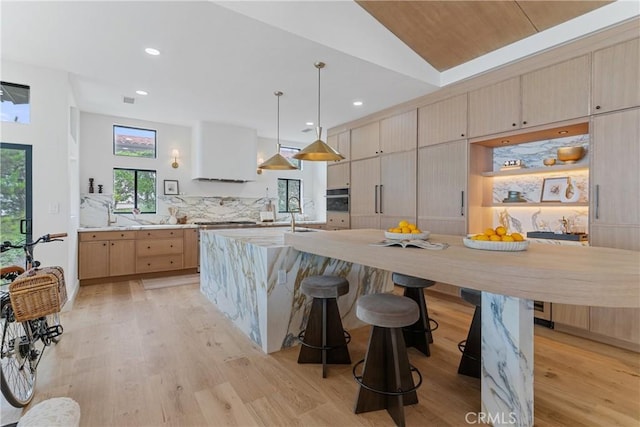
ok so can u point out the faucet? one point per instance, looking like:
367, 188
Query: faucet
109, 213
293, 213
565, 225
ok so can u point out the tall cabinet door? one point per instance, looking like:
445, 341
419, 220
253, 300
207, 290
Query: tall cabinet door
615, 180
442, 183
399, 132
365, 186
615, 208
495, 108
397, 188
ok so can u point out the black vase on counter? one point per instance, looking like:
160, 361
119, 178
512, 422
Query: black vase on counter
90, 185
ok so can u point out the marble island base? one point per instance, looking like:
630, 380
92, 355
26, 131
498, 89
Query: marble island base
254, 279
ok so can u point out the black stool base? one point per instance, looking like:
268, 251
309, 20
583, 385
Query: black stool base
328, 344
471, 360
386, 370
419, 335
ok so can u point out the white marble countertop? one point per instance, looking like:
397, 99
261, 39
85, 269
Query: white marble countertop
276, 224
265, 237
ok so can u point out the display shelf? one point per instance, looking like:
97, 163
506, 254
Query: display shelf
531, 171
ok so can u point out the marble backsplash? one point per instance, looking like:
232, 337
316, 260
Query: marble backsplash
93, 210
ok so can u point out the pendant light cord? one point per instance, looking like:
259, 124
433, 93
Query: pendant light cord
319, 68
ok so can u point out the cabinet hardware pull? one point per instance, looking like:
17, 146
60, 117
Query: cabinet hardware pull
121, 235
597, 107
375, 202
148, 247
170, 246
462, 134
524, 123
94, 236
104, 244
149, 264
113, 244
381, 198
462, 204
597, 201
513, 124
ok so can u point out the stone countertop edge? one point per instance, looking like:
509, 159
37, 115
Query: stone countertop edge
161, 226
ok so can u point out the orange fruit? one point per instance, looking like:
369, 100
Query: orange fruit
494, 238
501, 231
481, 237
517, 237
507, 238
489, 232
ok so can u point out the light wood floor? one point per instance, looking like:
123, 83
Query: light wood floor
132, 357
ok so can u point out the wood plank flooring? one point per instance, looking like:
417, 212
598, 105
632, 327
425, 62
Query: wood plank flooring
166, 357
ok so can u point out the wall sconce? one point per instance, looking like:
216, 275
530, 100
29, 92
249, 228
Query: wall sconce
175, 154
260, 161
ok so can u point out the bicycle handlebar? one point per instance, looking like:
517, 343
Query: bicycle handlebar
5, 246
57, 236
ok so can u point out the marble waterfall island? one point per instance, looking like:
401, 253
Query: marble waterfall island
253, 277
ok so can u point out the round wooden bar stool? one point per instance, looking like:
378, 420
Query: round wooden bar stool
470, 362
386, 381
417, 335
324, 340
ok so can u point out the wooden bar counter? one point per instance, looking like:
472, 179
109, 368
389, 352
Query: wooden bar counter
562, 274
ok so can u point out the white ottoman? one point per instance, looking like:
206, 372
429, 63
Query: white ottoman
56, 412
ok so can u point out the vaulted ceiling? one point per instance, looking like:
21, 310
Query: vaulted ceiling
221, 61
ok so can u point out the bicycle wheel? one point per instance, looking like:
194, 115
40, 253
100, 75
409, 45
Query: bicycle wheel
18, 374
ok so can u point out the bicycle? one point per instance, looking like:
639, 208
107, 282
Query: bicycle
27, 331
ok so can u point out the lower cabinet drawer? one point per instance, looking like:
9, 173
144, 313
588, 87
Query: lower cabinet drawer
153, 247
158, 263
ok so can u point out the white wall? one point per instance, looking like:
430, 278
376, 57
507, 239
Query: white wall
97, 161
53, 177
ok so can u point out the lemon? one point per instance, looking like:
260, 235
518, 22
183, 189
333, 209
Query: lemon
507, 238
403, 223
501, 231
494, 238
390, 230
481, 237
412, 226
415, 231
397, 230
517, 237
406, 230
489, 232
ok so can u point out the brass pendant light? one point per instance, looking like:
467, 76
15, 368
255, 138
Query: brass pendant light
277, 161
318, 150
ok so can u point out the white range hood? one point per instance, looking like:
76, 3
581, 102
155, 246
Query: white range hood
223, 152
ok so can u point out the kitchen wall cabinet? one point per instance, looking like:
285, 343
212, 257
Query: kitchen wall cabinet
191, 248
342, 144
338, 175
365, 141
555, 93
159, 250
399, 133
616, 73
383, 190
106, 254
495, 108
443, 121
442, 185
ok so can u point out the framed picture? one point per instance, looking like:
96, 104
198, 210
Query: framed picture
171, 187
552, 189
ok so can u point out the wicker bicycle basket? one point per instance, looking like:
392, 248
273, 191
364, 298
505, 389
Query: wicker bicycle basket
37, 293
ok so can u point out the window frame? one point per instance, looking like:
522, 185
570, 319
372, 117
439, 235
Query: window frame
28, 103
135, 189
299, 196
295, 162
155, 141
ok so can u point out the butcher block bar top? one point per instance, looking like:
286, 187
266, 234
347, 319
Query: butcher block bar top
561, 274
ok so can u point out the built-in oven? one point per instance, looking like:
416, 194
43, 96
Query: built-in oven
338, 200
542, 313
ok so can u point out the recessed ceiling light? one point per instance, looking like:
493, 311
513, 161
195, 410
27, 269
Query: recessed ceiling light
309, 123
142, 92
357, 103
152, 51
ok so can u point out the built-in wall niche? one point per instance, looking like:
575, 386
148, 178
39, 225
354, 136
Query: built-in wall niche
551, 198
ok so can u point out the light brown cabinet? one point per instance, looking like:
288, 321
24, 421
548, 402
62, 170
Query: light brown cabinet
442, 185
365, 141
337, 220
399, 133
159, 250
443, 121
495, 108
555, 93
104, 254
342, 144
338, 175
576, 316
616, 73
191, 248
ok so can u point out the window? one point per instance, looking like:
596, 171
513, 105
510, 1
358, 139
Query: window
288, 153
134, 142
288, 188
134, 189
15, 103
15, 198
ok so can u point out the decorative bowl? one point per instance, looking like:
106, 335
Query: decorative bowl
488, 245
407, 236
570, 154
549, 161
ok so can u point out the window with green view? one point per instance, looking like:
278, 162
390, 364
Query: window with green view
134, 189
288, 188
